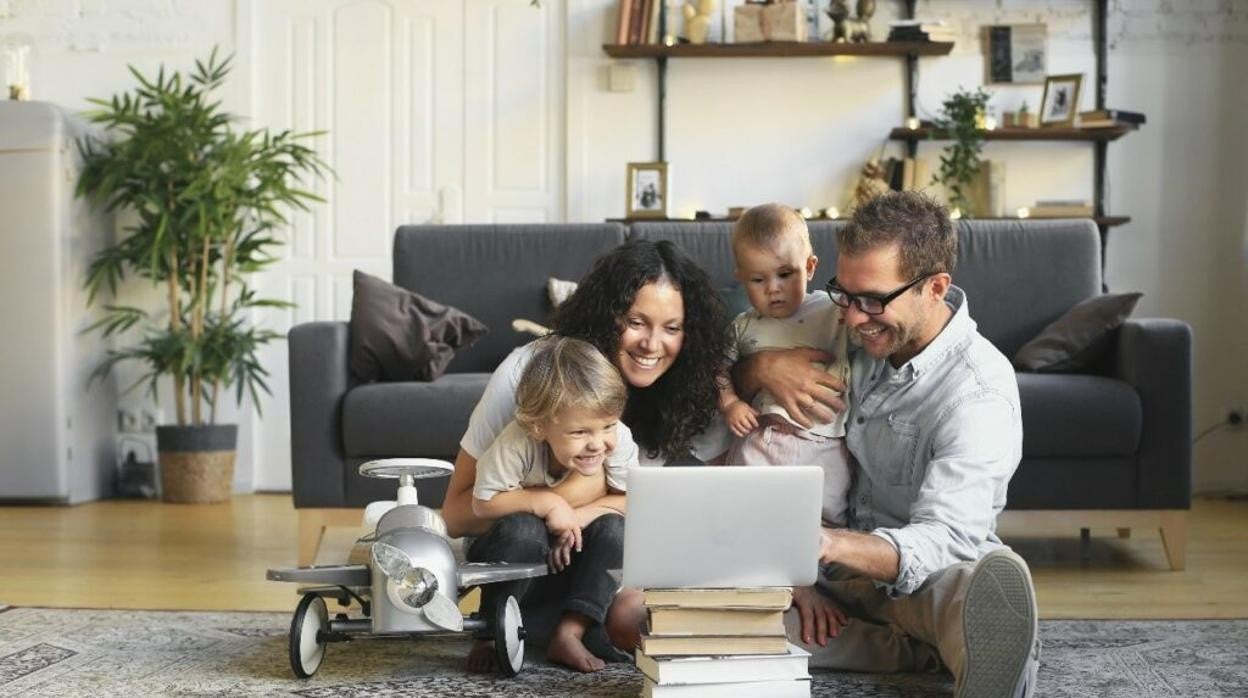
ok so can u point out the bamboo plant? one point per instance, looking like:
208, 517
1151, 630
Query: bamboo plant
208, 200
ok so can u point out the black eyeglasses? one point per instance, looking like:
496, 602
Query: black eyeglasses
867, 303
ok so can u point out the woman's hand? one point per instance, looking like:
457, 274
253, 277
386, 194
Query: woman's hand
741, 418
809, 394
821, 619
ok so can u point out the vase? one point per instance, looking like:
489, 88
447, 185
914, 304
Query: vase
196, 463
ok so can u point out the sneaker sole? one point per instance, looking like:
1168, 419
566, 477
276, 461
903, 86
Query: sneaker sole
999, 619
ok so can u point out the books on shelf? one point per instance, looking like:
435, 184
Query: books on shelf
1116, 115
920, 30
1060, 209
775, 598
638, 22
715, 621
745, 689
704, 669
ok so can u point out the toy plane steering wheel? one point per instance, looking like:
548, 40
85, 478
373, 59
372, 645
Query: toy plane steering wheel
415, 468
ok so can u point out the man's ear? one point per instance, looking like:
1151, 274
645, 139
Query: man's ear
940, 285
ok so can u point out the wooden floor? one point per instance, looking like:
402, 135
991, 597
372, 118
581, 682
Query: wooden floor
147, 555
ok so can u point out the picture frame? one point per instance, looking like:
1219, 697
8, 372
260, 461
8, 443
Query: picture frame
1015, 54
1061, 100
648, 191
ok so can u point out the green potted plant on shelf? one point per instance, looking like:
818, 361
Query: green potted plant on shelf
206, 199
960, 119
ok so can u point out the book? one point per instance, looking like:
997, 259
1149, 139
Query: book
777, 598
621, 30
637, 13
1130, 117
1038, 211
922, 174
656, 645
652, 31
715, 621
744, 689
907, 174
726, 669
1099, 123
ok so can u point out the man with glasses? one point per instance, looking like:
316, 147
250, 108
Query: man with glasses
936, 433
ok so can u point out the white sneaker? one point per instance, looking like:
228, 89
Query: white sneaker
999, 619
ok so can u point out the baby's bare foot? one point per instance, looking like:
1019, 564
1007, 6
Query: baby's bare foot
568, 650
481, 658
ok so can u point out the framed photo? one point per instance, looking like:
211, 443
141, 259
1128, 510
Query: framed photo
1061, 100
1015, 54
647, 190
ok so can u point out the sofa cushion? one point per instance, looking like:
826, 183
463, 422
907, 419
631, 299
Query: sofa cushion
497, 273
1078, 339
410, 419
1078, 416
399, 335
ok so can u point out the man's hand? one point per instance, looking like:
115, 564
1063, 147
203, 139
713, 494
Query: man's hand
741, 418
561, 520
810, 395
821, 619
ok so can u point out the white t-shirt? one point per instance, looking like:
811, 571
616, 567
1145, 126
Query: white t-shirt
498, 405
818, 324
516, 461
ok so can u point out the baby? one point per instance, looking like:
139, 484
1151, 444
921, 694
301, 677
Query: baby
774, 262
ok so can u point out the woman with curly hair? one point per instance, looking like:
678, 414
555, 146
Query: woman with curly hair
656, 316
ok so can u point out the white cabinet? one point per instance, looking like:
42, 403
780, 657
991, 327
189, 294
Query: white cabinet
56, 436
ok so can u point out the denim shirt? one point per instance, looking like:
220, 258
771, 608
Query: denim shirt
936, 442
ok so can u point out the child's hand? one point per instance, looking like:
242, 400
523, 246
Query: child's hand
821, 618
741, 418
562, 520
561, 552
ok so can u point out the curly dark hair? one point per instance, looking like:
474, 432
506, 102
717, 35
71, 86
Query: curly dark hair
665, 416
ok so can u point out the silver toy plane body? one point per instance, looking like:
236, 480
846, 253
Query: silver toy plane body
411, 584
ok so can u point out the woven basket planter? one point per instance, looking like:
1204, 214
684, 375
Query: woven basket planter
196, 463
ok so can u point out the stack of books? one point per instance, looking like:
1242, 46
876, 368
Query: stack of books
920, 30
639, 22
1109, 118
720, 642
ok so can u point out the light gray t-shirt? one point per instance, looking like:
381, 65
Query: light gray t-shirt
817, 324
516, 461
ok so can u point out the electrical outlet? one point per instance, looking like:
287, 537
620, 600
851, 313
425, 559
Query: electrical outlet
127, 421
149, 419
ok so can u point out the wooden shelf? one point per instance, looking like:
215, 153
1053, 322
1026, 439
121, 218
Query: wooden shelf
1050, 133
779, 49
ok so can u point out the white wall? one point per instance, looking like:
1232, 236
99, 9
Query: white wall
797, 130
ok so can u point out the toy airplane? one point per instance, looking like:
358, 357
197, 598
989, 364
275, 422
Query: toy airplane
410, 586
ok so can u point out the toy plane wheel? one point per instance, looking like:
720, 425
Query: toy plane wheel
307, 649
509, 637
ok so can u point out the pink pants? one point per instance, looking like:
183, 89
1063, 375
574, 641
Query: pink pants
776, 442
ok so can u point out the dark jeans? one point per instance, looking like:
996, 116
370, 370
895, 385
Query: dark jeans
583, 586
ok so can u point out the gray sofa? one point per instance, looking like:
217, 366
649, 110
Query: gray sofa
1105, 450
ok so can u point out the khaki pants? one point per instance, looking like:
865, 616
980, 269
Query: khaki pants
919, 632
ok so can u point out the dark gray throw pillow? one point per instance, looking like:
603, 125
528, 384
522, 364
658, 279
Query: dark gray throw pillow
399, 335
1076, 340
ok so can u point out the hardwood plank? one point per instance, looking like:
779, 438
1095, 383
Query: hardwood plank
139, 554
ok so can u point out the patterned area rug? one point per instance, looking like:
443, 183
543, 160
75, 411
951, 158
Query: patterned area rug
54, 652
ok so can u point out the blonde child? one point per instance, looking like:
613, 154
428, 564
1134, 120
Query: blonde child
566, 425
774, 261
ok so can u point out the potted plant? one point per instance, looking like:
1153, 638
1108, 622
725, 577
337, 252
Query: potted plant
206, 199
959, 162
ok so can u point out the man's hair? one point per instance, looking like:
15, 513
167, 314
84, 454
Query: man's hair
567, 373
766, 225
915, 222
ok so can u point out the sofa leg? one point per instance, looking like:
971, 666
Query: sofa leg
312, 525
1124, 533
1174, 538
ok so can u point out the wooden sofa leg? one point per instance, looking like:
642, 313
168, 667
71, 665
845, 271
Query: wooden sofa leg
1174, 538
1124, 533
312, 525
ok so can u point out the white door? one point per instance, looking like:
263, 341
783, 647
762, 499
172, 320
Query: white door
437, 111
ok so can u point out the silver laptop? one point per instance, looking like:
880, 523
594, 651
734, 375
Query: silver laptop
725, 526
